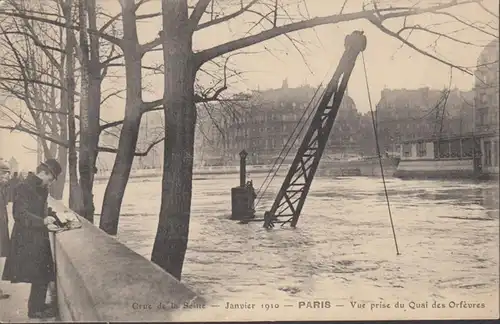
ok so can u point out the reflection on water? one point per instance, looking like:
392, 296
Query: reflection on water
485, 197
343, 242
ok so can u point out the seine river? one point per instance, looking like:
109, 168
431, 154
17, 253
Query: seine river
343, 247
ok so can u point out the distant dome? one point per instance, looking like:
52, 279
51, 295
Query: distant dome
489, 55
487, 70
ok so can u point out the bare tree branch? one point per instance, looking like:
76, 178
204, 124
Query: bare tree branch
466, 24
210, 53
109, 38
233, 15
427, 30
148, 16
487, 10
112, 94
37, 43
144, 153
407, 43
20, 128
151, 105
198, 12
111, 124
151, 45
44, 136
34, 81
117, 16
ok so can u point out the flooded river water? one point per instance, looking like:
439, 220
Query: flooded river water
343, 248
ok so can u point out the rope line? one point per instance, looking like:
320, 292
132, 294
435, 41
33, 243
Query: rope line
378, 153
309, 106
289, 147
279, 156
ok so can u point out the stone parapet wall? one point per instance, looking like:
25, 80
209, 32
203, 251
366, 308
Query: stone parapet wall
100, 279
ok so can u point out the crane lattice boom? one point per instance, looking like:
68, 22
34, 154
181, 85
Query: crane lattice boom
293, 193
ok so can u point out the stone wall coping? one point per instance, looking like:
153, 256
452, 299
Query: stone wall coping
106, 281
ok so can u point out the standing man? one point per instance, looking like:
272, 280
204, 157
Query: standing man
4, 220
12, 184
30, 258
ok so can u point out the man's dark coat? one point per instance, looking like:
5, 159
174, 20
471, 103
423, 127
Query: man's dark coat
4, 223
30, 258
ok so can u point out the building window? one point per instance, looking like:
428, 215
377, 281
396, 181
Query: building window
467, 147
406, 150
455, 148
487, 153
491, 98
482, 116
494, 117
482, 99
421, 149
444, 149
495, 154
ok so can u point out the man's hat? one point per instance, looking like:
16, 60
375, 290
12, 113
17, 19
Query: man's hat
4, 166
53, 166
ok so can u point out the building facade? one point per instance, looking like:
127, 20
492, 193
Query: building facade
270, 125
473, 154
486, 90
404, 114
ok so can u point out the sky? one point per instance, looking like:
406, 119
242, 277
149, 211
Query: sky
266, 65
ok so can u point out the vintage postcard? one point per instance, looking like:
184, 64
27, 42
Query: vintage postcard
237, 160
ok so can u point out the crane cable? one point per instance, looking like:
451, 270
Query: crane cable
285, 146
378, 153
309, 106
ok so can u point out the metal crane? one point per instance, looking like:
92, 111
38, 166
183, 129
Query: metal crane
293, 193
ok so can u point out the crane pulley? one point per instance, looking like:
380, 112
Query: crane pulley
293, 193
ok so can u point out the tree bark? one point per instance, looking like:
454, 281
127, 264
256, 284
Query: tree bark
180, 118
57, 188
59, 126
117, 183
89, 107
94, 95
75, 200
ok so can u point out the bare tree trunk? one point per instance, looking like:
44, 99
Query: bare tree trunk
57, 188
180, 118
58, 126
94, 97
75, 192
68, 105
115, 189
89, 107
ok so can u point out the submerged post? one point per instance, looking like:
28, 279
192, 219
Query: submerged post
243, 196
243, 167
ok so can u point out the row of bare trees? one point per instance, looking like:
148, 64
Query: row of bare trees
57, 54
